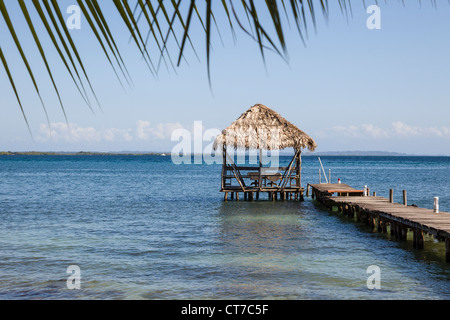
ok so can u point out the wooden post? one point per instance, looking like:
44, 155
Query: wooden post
260, 171
397, 230
369, 221
344, 209
307, 190
405, 200
353, 212
348, 210
383, 226
374, 194
418, 239
358, 215
224, 164
226, 196
391, 195
447, 249
404, 233
299, 170
237, 196
320, 177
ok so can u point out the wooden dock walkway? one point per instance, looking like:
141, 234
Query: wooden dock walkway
381, 213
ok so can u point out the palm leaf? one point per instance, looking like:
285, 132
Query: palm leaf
101, 42
13, 85
186, 29
162, 24
73, 47
12, 31
24, 9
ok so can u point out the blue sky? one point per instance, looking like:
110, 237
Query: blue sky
350, 88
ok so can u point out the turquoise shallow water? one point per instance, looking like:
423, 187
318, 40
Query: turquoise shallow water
144, 228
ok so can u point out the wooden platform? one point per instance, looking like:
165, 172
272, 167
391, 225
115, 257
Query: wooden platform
381, 213
273, 193
336, 188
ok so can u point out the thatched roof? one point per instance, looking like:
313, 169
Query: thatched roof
262, 128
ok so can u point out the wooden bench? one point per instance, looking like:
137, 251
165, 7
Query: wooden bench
272, 177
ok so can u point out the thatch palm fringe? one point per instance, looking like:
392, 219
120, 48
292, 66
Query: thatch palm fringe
262, 128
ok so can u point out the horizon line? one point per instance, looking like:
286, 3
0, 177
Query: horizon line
307, 154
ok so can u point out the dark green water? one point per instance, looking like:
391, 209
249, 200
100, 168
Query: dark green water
144, 228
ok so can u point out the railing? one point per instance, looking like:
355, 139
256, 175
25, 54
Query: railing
261, 177
236, 172
323, 170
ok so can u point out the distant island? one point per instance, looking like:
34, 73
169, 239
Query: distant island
358, 153
155, 153
80, 153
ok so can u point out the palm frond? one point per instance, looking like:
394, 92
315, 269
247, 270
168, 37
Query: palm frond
152, 25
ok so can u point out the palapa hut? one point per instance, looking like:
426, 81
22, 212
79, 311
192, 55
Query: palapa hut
261, 128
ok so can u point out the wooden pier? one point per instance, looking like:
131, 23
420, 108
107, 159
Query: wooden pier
381, 213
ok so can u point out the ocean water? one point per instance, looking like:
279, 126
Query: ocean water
141, 227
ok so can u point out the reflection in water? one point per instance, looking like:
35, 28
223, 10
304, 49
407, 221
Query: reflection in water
262, 227
263, 246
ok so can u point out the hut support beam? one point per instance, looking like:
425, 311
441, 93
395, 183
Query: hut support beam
447, 249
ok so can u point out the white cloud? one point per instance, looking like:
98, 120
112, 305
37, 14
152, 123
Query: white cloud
115, 134
74, 133
405, 130
142, 130
361, 131
71, 132
375, 132
162, 131
397, 129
